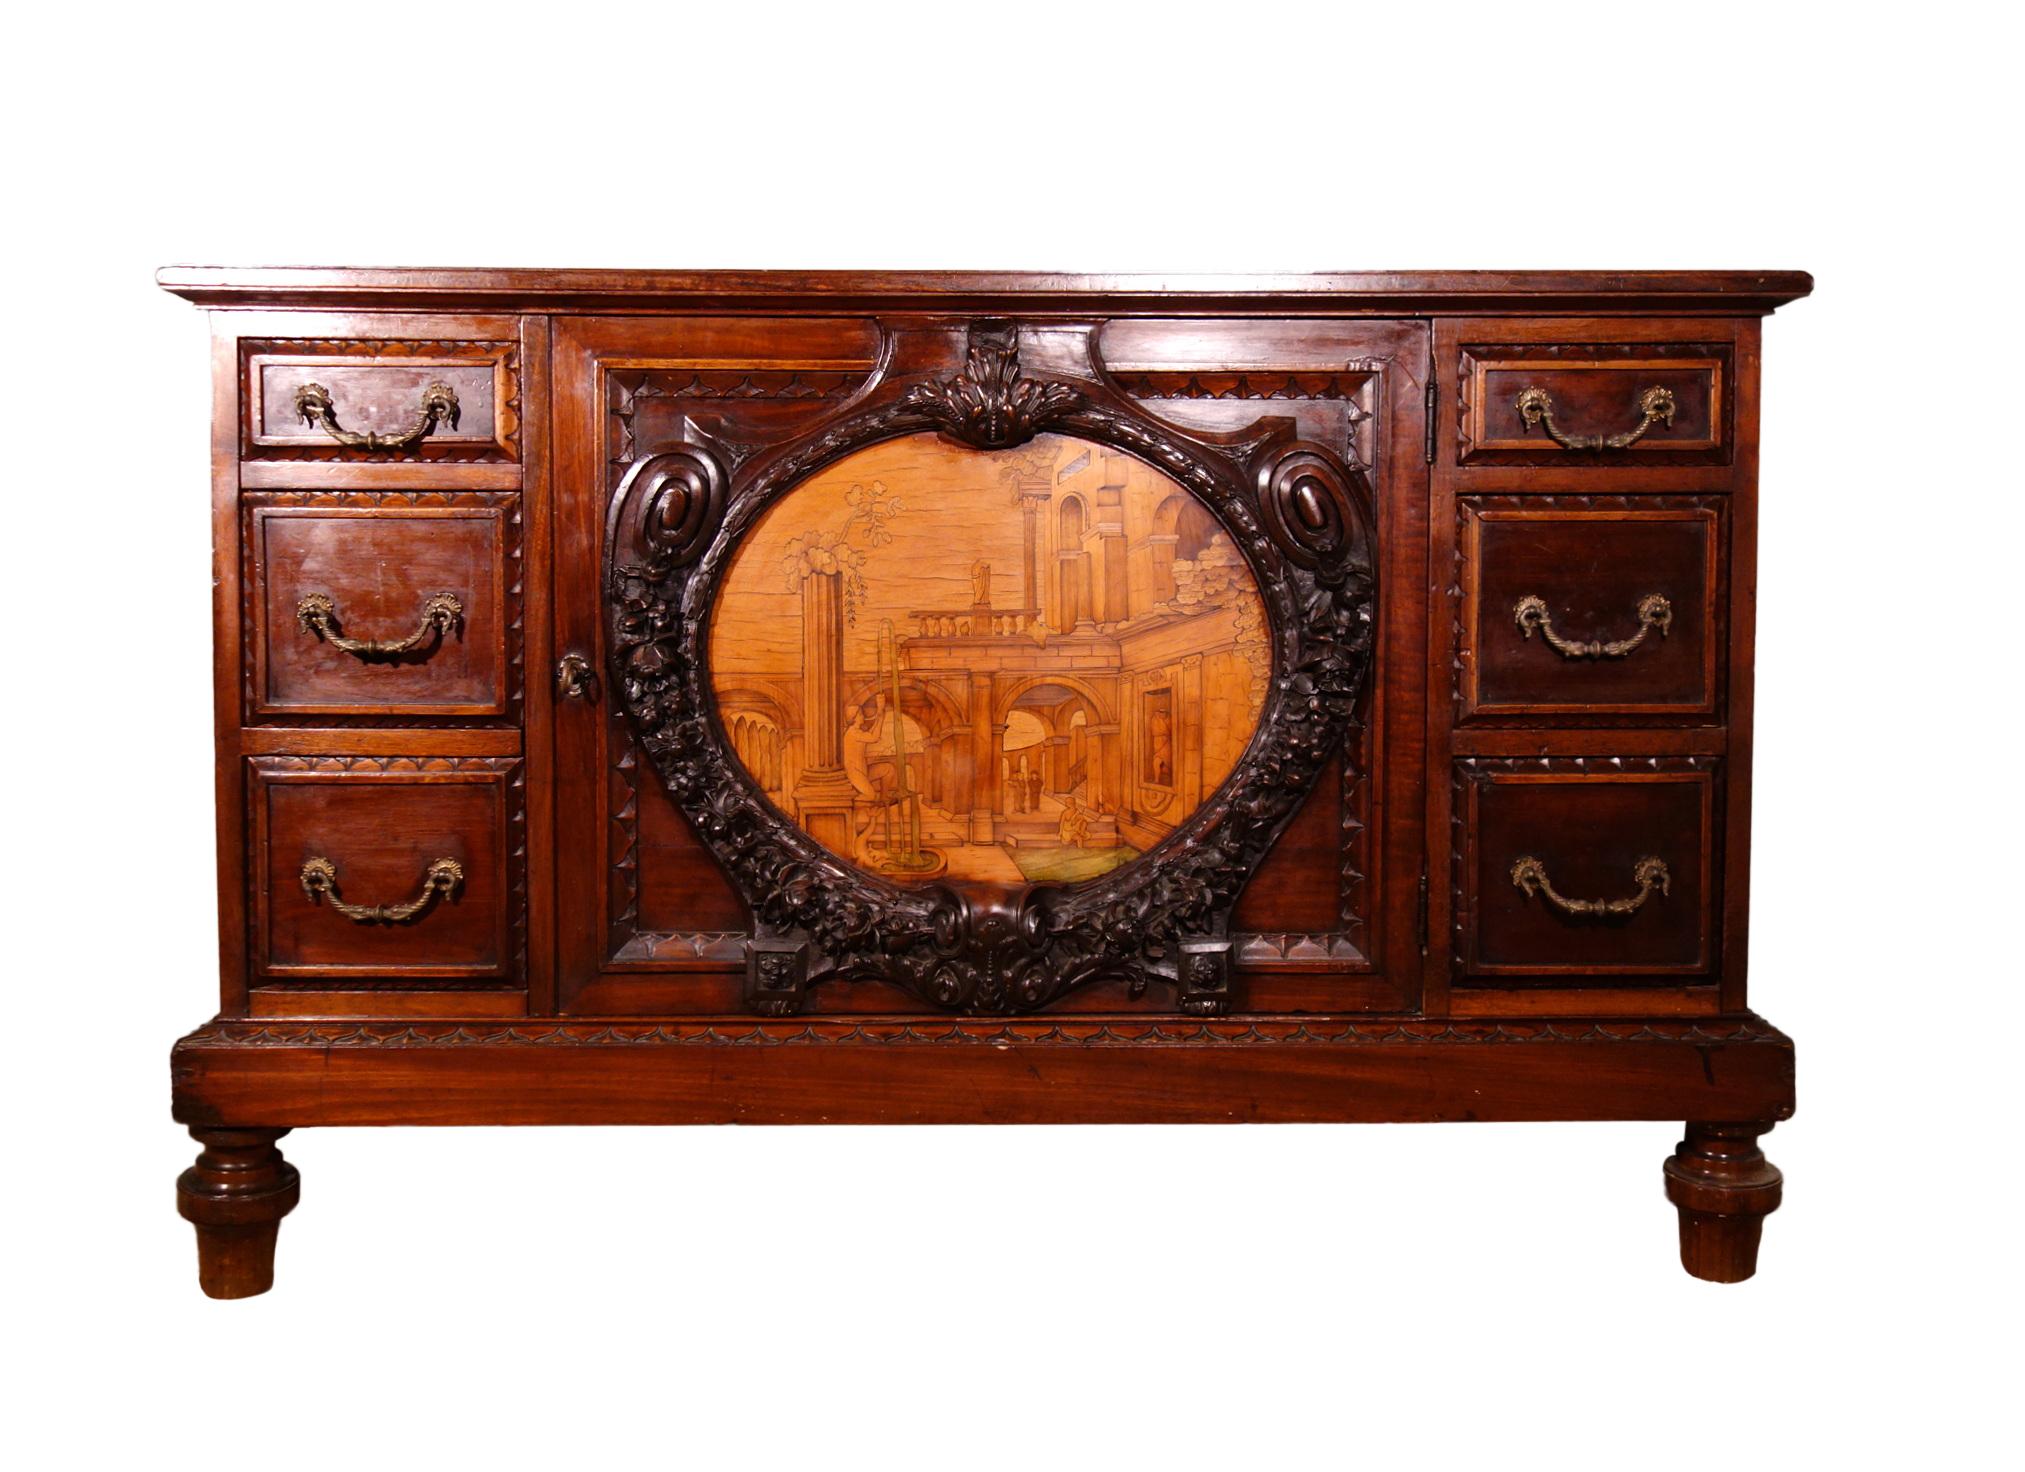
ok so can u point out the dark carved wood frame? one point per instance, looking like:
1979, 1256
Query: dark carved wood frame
1299, 517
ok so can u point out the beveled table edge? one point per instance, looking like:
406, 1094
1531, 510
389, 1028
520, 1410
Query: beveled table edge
1031, 293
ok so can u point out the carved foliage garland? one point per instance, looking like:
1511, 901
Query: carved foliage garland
1297, 516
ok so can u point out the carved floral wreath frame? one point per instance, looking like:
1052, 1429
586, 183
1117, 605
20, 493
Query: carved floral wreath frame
1297, 515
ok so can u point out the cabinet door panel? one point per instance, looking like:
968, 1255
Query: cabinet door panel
647, 922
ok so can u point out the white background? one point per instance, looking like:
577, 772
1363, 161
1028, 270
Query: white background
974, 1298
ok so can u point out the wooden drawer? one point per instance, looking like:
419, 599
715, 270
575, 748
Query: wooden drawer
382, 611
1596, 608
387, 868
1596, 404
380, 401
1571, 868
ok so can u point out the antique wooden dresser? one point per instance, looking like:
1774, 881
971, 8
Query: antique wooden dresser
676, 698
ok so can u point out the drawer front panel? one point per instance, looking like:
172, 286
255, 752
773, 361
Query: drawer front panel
1596, 404
1606, 609
389, 612
380, 401
1568, 868
391, 868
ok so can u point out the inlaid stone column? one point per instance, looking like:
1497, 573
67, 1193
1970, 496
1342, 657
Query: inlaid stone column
1114, 605
1031, 506
1188, 733
1073, 573
1056, 775
984, 745
1109, 767
824, 797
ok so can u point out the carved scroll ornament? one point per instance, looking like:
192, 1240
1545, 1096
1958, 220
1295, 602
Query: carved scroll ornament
1297, 516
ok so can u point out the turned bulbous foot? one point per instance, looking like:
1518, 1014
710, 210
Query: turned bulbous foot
236, 1195
1724, 1188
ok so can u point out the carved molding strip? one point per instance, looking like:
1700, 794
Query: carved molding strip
684, 945
1265, 384
722, 389
1354, 391
718, 1032
980, 948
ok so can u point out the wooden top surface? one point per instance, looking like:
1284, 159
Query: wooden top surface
1027, 292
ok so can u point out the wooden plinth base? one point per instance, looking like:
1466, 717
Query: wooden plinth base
242, 1085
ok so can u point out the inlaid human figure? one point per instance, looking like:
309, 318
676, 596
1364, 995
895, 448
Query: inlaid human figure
1160, 737
980, 583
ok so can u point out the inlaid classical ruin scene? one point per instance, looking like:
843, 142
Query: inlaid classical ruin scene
944, 663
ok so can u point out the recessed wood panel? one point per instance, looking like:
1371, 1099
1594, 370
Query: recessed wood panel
1599, 609
1591, 394
376, 572
1554, 867
297, 390
379, 826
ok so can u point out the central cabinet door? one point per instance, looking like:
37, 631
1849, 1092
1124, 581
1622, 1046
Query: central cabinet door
1018, 667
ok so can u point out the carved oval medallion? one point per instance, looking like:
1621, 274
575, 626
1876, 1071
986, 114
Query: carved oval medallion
1307, 504
1000, 667
678, 497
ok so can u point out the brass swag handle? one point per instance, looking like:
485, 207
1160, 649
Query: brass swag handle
439, 402
317, 614
1651, 874
319, 880
1536, 411
1654, 612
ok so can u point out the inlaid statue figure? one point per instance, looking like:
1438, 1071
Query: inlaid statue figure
1160, 741
980, 583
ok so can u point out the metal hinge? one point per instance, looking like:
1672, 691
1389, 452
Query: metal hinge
1433, 398
1421, 921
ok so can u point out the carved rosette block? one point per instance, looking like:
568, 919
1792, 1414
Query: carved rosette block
1724, 1188
776, 975
1202, 977
236, 1195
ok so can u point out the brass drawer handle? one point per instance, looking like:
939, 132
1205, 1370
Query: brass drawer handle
1536, 411
1654, 612
1651, 874
439, 402
441, 614
319, 879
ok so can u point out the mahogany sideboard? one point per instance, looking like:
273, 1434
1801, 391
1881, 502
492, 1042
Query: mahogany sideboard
654, 697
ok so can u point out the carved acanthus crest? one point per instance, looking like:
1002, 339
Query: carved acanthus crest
988, 404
